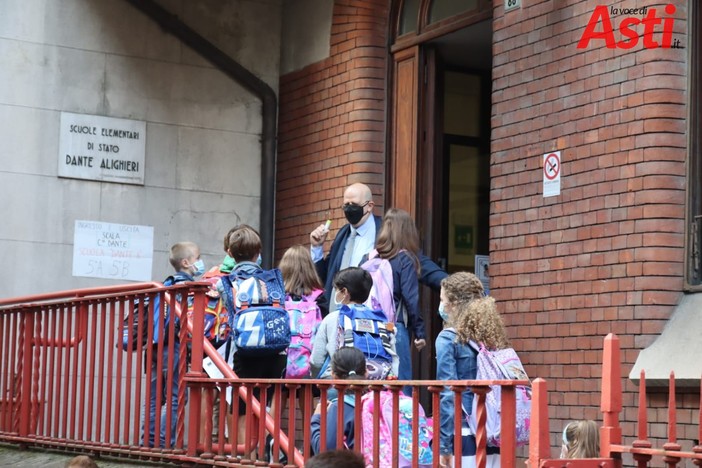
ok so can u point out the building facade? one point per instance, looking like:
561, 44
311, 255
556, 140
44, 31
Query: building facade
559, 138
556, 139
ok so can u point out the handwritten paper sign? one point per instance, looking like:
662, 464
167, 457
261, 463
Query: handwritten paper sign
113, 251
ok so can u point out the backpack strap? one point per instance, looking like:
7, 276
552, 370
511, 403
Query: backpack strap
348, 331
323, 369
228, 294
314, 294
348, 399
385, 337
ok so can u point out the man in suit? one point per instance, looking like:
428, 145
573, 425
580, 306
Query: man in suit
356, 239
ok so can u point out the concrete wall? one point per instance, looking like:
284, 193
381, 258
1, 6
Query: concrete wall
306, 31
103, 57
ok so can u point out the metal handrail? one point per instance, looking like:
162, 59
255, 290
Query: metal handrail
36, 299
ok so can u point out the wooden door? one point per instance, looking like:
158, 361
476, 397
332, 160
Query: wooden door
429, 217
415, 174
403, 149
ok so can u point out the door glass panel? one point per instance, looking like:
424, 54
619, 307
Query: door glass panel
408, 18
462, 104
441, 9
467, 165
468, 226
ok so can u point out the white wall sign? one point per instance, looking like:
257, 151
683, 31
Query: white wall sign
512, 4
552, 174
102, 148
113, 251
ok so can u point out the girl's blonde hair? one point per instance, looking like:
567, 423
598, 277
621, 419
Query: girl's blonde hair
299, 274
478, 320
462, 287
582, 439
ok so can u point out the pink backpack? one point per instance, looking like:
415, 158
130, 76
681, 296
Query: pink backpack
381, 293
503, 364
405, 432
384, 435
305, 318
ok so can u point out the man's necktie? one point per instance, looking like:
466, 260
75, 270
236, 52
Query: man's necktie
348, 250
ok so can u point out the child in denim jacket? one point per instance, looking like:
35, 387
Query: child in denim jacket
467, 316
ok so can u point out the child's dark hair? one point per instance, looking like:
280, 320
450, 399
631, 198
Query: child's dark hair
336, 459
349, 363
356, 281
227, 236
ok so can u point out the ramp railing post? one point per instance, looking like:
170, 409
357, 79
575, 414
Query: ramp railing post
611, 403
539, 445
25, 369
672, 445
197, 352
642, 441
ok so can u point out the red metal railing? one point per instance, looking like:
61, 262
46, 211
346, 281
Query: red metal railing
65, 382
611, 446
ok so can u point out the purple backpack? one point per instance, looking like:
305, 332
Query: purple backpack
381, 293
502, 364
305, 318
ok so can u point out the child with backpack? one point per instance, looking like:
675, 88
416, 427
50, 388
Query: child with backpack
186, 261
468, 317
260, 325
217, 329
385, 413
347, 363
306, 305
394, 265
343, 328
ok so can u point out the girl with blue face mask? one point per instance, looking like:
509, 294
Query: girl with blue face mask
443, 313
456, 360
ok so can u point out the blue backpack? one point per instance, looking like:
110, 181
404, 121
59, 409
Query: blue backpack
259, 322
369, 331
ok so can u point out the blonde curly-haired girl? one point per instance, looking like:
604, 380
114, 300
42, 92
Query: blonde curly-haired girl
469, 317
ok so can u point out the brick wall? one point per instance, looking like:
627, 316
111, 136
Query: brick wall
607, 254
332, 124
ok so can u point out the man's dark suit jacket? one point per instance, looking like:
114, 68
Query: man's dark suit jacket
431, 274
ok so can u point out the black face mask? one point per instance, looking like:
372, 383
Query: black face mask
354, 213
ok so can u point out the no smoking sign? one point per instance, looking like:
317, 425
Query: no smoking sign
552, 174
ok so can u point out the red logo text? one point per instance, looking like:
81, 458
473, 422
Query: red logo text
629, 28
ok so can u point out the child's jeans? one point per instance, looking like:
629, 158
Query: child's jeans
166, 393
402, 347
